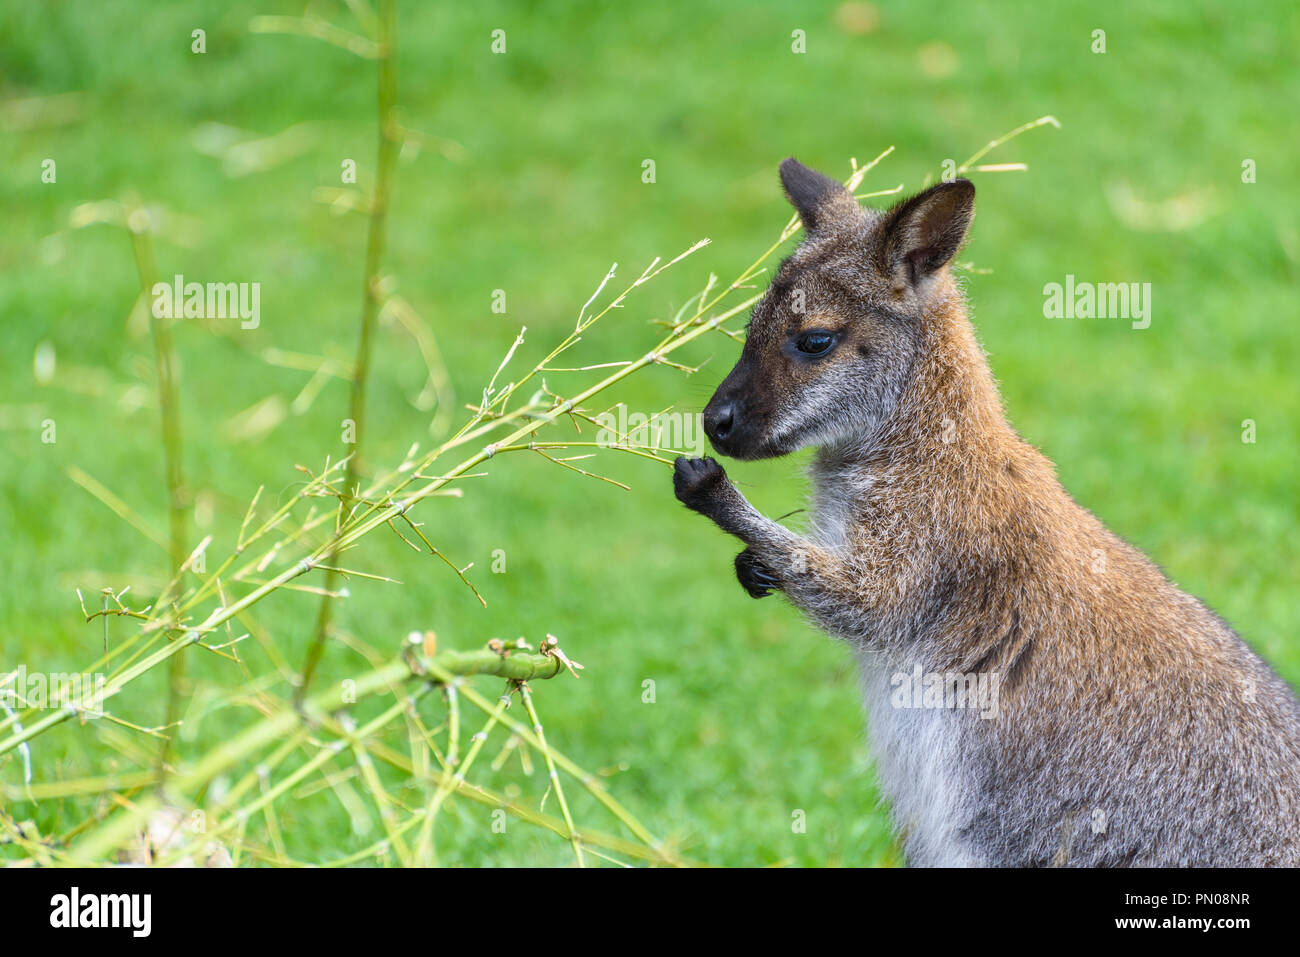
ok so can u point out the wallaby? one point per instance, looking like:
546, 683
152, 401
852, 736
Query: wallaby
1132, 725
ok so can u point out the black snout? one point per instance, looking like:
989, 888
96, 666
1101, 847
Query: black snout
719, 417
736, 419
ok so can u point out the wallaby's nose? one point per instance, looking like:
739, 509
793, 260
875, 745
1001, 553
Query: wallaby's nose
718, 418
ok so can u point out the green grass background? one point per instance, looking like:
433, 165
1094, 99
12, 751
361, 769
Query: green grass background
756, 714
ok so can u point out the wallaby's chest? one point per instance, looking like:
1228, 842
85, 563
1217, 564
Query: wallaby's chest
835, 506
919, 754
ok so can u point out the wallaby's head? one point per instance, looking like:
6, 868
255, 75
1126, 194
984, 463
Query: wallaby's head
831, 345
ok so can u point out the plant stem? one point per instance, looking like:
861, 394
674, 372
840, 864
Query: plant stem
520, 666
372, 297
168, 401
551, 772
138, 225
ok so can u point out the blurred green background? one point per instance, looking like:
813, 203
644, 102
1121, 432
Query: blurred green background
757, 715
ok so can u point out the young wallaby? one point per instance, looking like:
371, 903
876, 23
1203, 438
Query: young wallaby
1131, 725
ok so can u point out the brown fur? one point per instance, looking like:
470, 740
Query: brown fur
1133, 727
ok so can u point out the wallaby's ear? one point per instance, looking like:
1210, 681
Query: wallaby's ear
818, 199
923, 233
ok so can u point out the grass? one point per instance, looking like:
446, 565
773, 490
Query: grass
755, 715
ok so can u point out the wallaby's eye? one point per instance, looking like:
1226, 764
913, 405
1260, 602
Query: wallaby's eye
815, 344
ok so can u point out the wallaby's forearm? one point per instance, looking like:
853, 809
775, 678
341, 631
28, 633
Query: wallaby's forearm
817, 580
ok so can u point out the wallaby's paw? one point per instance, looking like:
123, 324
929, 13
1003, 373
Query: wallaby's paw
756, 577
697, 482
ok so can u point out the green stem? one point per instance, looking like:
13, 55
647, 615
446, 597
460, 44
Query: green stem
95, 846
169, 406
551, 772
376, 242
